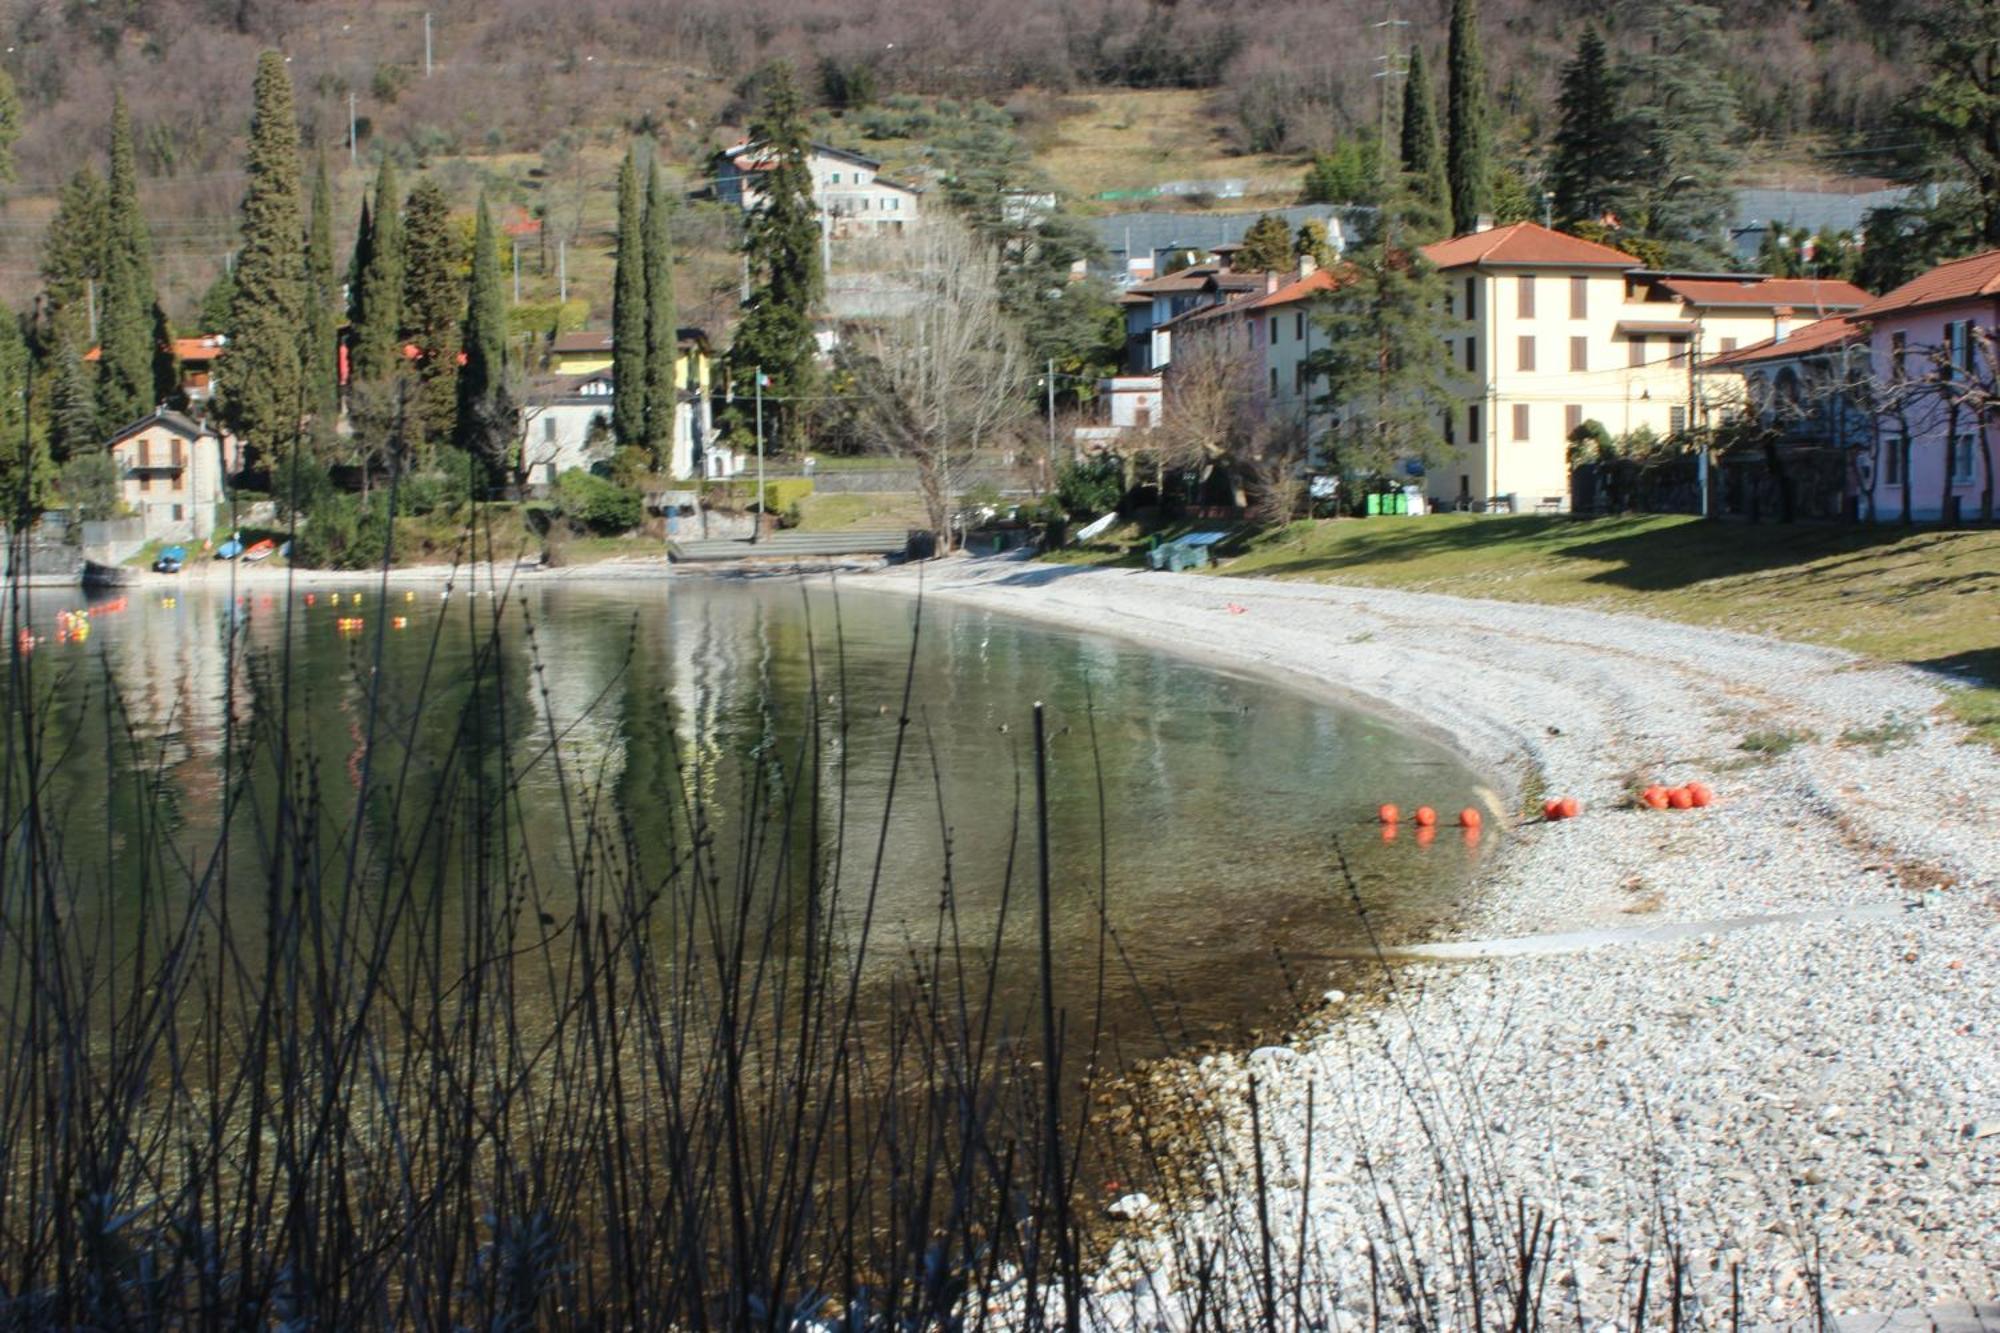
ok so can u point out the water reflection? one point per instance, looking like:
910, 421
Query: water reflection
1193, 810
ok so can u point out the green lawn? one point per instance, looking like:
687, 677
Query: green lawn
1928, 597
836, 513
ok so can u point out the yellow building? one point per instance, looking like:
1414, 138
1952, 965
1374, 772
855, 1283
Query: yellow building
577, 358
1553, 331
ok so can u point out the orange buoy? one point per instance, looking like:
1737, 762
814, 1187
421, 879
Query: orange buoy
1470, 818
309, 599
1679, 799
1552, 808
1701, 793
1426, 817
1571, 807
1388, 814
1655, 797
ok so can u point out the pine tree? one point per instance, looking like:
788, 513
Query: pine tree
216, 303
1386, 367
628, 311
1267, 246
1590, 166
378, 313
125, 318
261, 381
73, 253
1423, 149
321, 353
776, 332
1467, 160
1684, 131
662, 332
72, 396
433, 313
486, 414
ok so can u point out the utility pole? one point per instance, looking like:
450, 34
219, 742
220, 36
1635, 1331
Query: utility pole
1391, 61
353, 142
757, 533
427, 43
562, 268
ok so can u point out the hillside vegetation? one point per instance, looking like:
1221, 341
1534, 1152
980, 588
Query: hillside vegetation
534, 101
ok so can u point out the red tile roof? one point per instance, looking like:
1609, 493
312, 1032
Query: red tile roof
1299, 289
1961, 280
1757, 290
1820, 335
1526, 244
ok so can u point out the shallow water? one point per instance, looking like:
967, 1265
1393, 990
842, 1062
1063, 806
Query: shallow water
1227, 800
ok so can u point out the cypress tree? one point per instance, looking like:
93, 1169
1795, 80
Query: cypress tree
1423, 148
166, 365
628, 311
378, 315
125, 318
260, 376
486, 417
322, 332
433, 312
357, 261
1467, 165
216, 301
25, 472
776, 332
662, 333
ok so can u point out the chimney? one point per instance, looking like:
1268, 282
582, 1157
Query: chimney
1307, 266
1270, 282
1484, 222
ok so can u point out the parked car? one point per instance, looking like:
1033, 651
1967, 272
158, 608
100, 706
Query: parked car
170, 560
230, 549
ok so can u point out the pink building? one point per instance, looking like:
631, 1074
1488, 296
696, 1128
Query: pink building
1923, 355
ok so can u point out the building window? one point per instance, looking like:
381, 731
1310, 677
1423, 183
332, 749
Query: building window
1637, 346
1142, 417
1472, 424
1572, 419
1892, 463
1471, 354
548, 430
1728, 345
1526, 354
836, 178
1450, 426
1899, 348
1299, 326
1961, 461
1579, 298
1959, 334
180, 512
1470, 313
1274, 330
1579, 354
1520, 421
1677, 420
1274, 381
1299, 377
145, 452
1527, 303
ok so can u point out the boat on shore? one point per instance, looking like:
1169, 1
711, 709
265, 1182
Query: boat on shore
97, 575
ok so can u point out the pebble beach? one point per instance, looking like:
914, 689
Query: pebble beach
1752, 1049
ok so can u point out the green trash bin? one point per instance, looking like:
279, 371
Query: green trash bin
1374, 504
1400, 503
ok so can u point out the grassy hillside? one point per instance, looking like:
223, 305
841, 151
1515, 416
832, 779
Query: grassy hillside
1925, 598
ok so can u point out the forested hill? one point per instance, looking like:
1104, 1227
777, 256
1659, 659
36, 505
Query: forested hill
522, 77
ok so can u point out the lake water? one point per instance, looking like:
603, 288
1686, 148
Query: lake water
651, 713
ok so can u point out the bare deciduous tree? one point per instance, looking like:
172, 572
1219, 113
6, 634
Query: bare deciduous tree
1210, 410
946, 377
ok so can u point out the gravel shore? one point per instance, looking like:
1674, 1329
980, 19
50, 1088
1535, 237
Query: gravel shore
1802, 1105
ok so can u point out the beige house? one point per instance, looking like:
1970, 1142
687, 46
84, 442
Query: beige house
170, 474
1554, 331
853, 197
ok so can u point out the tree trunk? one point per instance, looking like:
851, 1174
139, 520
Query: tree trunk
1950, 447
1903, 453
1986, 476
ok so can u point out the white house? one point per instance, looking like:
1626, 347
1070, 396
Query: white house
170, 473
1131, 403
571, 428
854, 198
